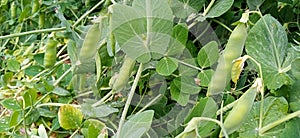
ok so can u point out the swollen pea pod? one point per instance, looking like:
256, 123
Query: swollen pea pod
242, 108
13, 10
50, 53
124, 74
233, 50
90, 43
35, 6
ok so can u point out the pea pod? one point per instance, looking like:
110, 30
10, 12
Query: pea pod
35, 6
50, 53
13, 10
41, 20
242, 108
90, 43
233, 50
123, 75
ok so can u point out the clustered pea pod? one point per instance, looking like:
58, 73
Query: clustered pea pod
124, 74
242, 108
233, 50
50, 53
90, 43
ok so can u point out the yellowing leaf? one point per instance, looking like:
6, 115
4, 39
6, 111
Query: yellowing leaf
69, 117
237, 68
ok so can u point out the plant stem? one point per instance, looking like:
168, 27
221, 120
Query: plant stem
222, 24
189, 65
208, 7
103, 99
150, 103
87, 13
130, 96
277, 122
33, 32
62, 76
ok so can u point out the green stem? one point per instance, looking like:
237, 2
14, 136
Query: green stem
277, 122
128, 101
101, 101
62, 76
222, 24
208, 7
87, 13
188, 65
33, 32
150, 103
261, 114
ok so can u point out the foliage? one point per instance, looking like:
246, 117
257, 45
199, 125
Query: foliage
142, 68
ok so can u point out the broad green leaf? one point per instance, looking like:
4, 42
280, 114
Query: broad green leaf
292, 129
186, 85
205, 77
69, 117
33, 70
274, 109
92, 128
11, 104
142, 29
206, 107
13, 65
166, 66
296, 68
177, 95
267, 43
184, 8
292, 93
178, 41
46, 113
219, 8
137, 125
15, 118
32, 117
208, 55
254, 4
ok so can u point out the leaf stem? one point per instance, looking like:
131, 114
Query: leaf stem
150, 103
128, 101
277, 122
223, 25
189, 65
33, 32
208, 7
101, 101
87, 13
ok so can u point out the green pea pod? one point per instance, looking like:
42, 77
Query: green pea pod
50, 54
13, 10
90, 43
35, 6
123, 75
233, 50
242, 108
41, 20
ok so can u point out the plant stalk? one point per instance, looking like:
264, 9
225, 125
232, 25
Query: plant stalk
128, 101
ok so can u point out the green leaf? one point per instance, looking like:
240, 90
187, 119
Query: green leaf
178, 41
166, 66
184, 8
33, 70
4, 124
61, 91
254, 4
13, 65
205, 77
99, 111
296, 68
69, 117
208, 55
92, 128
267, 43
274, 109
30, 97
292, 129
187, 85
137, 125
219, 8
11, 104
142, 29
15, 118
206, 107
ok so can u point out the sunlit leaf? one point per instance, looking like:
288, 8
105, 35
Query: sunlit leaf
69, 117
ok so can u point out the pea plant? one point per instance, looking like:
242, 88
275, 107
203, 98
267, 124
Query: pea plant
150, 68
